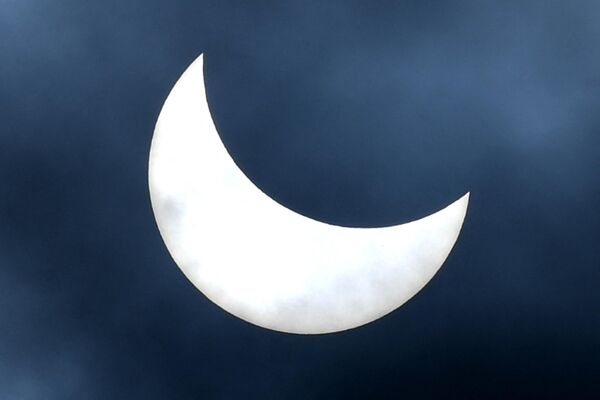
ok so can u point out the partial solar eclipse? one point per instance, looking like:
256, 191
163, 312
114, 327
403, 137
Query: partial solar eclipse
261, 261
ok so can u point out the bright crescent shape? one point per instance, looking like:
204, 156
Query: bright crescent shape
263, 262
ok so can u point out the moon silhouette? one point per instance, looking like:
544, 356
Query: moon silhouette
261, 261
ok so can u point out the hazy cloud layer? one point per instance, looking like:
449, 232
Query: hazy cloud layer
351, 112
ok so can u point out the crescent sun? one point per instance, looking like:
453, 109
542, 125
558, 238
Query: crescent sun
265, 263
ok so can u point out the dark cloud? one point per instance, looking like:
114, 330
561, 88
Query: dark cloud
358, 113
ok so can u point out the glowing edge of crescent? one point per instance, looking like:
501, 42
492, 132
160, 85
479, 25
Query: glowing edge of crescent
259, 260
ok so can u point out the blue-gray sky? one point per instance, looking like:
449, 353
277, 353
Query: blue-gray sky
357, 113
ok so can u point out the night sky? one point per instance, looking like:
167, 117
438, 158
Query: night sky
358, 113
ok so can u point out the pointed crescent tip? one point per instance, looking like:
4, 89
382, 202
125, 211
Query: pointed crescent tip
462, 204
198, 61
465, 203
